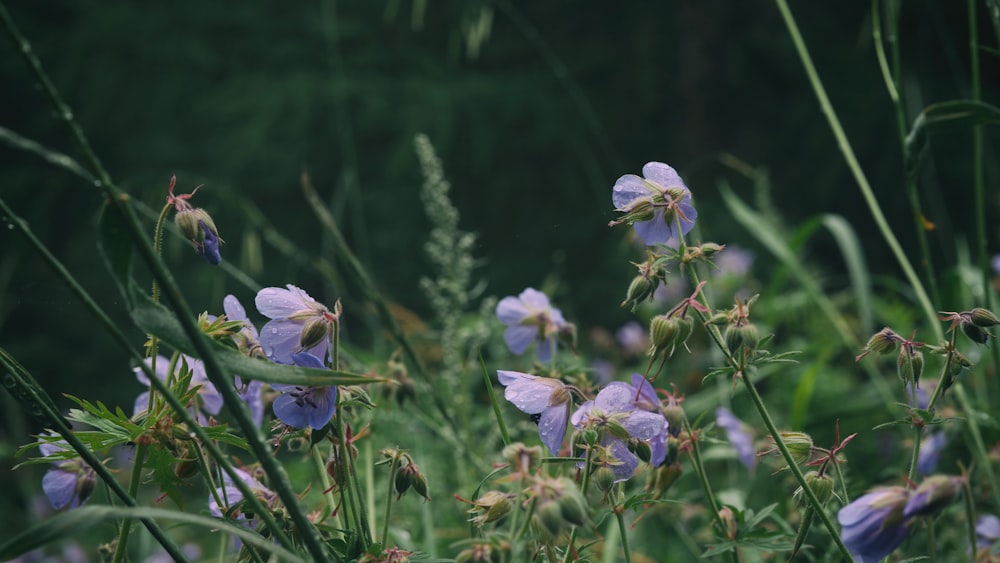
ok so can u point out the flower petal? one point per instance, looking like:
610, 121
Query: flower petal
277, 303
615, 398
234, 309
510, 310
534, 300
290, 412
529, 393
280, 339
60, 487
325, 401
552, 426
663, 174
518, 338
627, 189
654, 231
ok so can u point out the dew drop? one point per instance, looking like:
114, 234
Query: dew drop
274, 330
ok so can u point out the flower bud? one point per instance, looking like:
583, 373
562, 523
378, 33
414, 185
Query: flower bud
821, 486
975, 334
419, 483
882, 342
739, 336
641, 289
983, 318
187, 221
799, 444
674, 413
641, 449
402, 482
604, 478
667, 332
491, 507
523, 458
313, 333
909, 365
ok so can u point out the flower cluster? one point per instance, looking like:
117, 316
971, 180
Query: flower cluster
656, 204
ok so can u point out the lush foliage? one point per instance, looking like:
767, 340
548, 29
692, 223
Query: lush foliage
752, 407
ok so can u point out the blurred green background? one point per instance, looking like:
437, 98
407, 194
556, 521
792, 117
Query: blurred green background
535, 109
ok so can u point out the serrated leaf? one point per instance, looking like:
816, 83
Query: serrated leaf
73, 523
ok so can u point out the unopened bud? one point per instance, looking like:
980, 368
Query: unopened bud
573, 509
975, 334
739, 336
983, 318
550, 516
85, 484
523, 458
674, 413
641, 289
315, 332
604, 478
641, 449
799, 444
820, 485
909, 365
187, 221
662, 478
882, 342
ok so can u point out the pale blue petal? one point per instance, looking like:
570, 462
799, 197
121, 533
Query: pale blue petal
234, 309
60, 488
615, 398
690, 214
518, 338
665, 176
280, 339
628, 460
530, 394
627, 189
534, 300
545, 348
325, 399
289, 412
581, 413
511, 311
277, 303
654, 231
141, 403
307, 360
552, 426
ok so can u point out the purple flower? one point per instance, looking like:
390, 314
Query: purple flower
630, 409
208, 397
70, 482
653, 203
231, 496
301, 407
298, 323
987, 531
873, 525
995, 262
733, 261
542, 397
530, 317
930, 452
208, 248
738, 437
933, 494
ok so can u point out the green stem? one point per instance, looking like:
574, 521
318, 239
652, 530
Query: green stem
317, 458
588, 467
623, 531
852, 162
393, 468
699, 468
133, 489
970, 515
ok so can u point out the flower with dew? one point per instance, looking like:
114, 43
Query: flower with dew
70, 483
208, 398
737, 435
196, 224
654, 203
873, 526
930, 452
988, 533
548, 400
298, 323
625, 413
232, 496
529, 317
302, 407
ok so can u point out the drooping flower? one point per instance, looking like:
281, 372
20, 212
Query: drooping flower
305, 407
737, 435
530, 317
873, 525
196, 224
933, 494
623, 420
231, 496
208, 398
930, 452
70, 482
298, 323
543, 397
654, 203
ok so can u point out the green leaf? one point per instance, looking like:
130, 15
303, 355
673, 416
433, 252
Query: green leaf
157, 320
949, 116
75, 522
